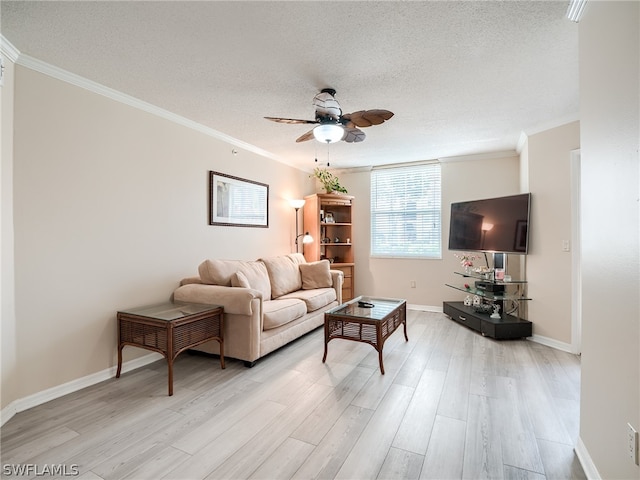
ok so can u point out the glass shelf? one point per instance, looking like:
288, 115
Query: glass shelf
489, 278
490, 295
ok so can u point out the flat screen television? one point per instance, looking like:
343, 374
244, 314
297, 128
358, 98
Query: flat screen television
491, 225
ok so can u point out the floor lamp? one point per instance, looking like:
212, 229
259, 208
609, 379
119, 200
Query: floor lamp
306, 238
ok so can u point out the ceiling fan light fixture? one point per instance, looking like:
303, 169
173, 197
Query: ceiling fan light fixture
328, 133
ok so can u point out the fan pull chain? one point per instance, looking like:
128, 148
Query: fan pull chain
327, 154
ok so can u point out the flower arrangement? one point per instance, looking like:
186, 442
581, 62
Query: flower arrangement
466, 259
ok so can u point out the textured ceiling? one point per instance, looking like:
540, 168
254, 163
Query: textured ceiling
461, 77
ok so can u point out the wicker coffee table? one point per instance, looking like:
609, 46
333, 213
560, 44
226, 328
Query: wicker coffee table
368, 325
170, 328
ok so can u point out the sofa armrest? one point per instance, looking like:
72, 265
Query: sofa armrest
235, 300
337, 276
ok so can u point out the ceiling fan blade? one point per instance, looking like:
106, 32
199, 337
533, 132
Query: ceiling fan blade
366, 118
290, 120
353, 135
305, 137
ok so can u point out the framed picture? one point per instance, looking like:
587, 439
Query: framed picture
521, 236
237, 202
328, 217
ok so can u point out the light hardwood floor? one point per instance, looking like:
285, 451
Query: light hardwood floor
452, 404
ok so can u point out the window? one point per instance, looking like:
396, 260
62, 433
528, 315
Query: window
406, 211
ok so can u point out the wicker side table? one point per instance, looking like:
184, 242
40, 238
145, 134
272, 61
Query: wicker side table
170, 329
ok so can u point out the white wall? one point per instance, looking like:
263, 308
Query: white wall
110, 206
610, 130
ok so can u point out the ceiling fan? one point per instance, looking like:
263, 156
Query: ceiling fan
332, 125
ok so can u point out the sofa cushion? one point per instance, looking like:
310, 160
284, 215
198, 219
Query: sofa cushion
284, 274
239, 279
257, 276
220, 272
314, 299
281, 311
315, 275
297, 258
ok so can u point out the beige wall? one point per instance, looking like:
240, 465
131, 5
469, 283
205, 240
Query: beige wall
549, 269
110, 210
8, 320
392, 277
610, 129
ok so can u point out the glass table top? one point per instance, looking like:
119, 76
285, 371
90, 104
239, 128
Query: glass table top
169, 310
381, 307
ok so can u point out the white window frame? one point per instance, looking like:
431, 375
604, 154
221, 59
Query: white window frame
406, 211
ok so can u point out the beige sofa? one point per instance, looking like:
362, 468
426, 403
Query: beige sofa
267, 303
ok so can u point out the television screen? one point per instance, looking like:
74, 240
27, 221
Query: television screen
491, 225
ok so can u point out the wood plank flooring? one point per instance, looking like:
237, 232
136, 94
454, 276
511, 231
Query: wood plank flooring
452, 405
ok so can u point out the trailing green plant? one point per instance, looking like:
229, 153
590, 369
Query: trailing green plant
329, 181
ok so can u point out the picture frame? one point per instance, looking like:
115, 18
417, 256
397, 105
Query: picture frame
328, 217
237, 202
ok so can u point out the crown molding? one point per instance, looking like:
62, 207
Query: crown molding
480, 156
73, 79
8, 50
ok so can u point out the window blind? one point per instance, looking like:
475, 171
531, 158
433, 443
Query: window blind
406, 211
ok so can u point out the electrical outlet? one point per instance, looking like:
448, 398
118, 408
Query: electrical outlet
632, 443
413, 284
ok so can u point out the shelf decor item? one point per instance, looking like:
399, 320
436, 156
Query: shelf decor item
466, 260
329, 181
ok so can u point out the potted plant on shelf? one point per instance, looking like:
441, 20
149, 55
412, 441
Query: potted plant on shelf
329, 181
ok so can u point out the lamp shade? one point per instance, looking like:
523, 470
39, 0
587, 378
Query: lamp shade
487, 226
295, 203
307, 238
328, 133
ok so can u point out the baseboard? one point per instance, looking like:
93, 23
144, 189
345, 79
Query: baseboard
61, 390
588, 466
550, 342
424, 308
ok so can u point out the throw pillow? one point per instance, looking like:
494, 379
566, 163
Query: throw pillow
239, 279
315, 275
